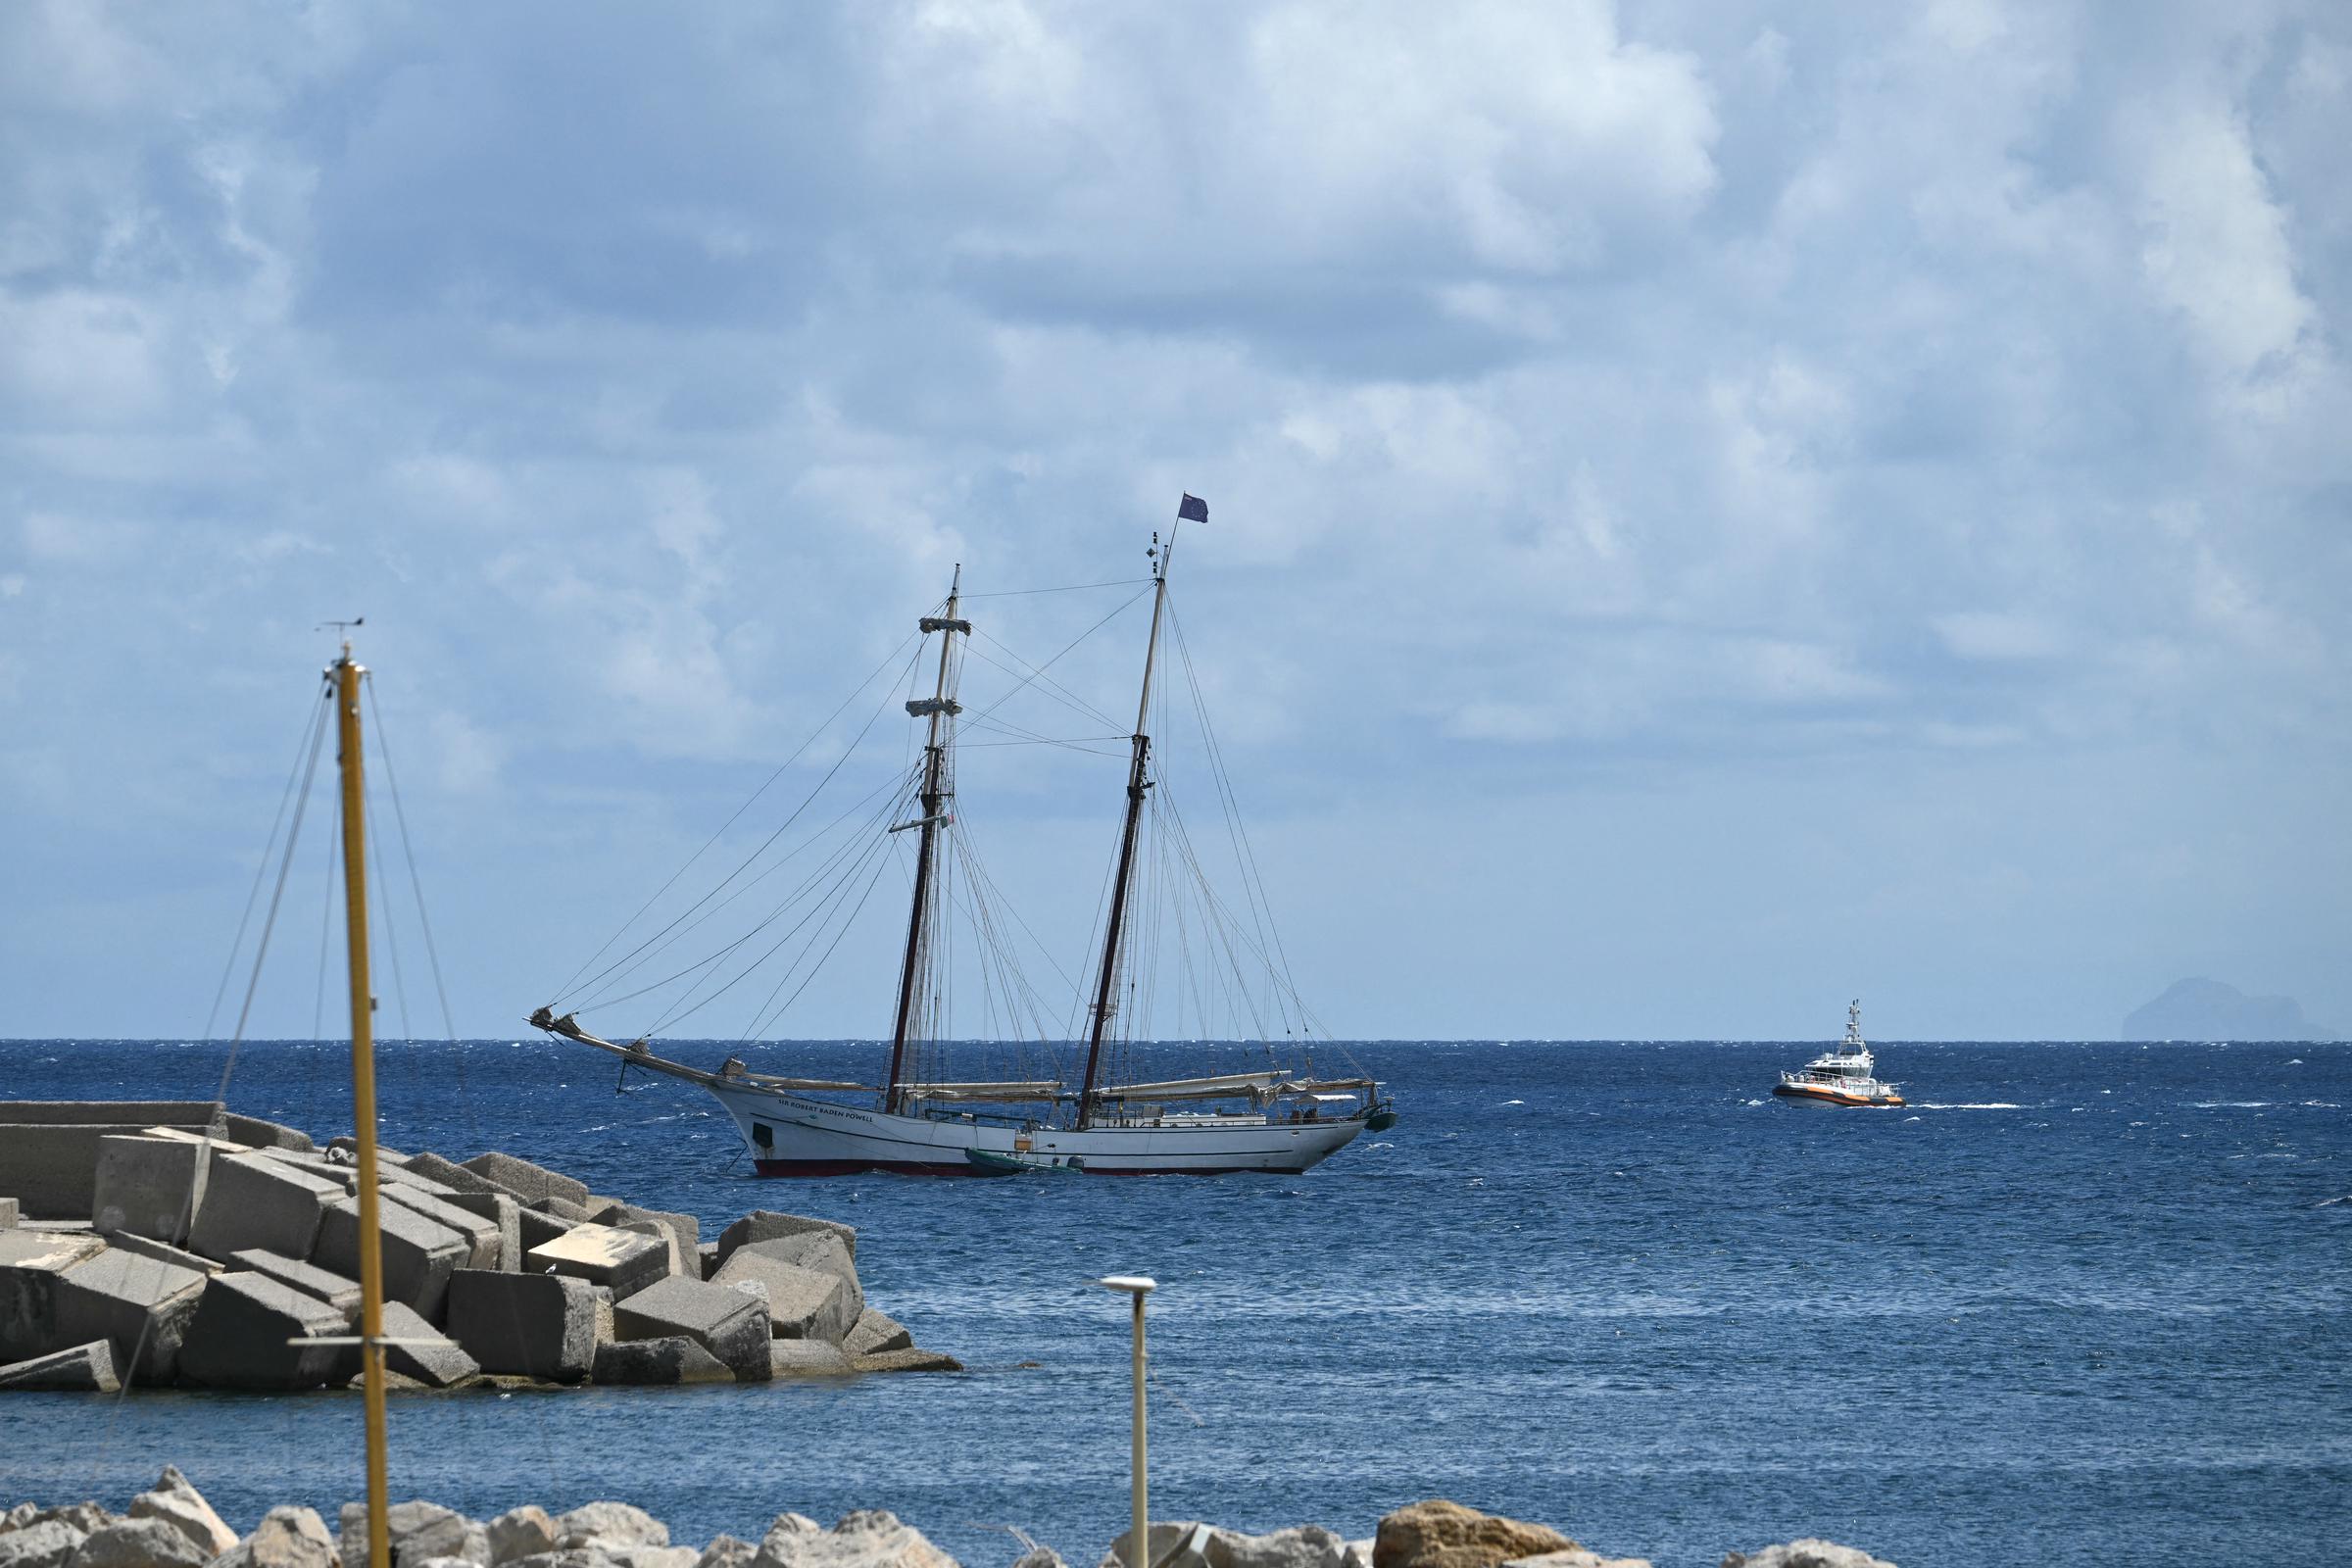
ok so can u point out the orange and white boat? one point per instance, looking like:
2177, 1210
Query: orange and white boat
1841, 1076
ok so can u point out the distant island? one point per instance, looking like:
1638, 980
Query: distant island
2208, 1009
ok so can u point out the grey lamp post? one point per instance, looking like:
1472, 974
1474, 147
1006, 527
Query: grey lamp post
1139, 1552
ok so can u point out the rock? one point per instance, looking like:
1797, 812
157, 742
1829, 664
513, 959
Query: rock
162, 1251
139, 1544
727, 1551
766, 1225
526, 1180
287, 1538
538, 1325
1580, 1558
1040, 1557
626, 1362
417, 1531
311, 1279
142, 1307
440, 1364
481, 1232
1807, 1553
418, 1254
867, 1539
874, 1332
150, 1185
1169, 1543
807, 1358
83, 1369
239, 1337
910, 1359
254, 1200
1303, 1547
1438, 1534
803, 1303
1358, 1554
622, 1260
31, 1264
523, 1531
45, 1544
86, 1517
731, 1326
181, 1506
609, 1524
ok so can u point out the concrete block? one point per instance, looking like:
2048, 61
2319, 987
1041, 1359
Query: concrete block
162, 1251
818, 1249
807, 1358
139, 1544
625, 1262
673, 1262
684, 1227
910, 1359
31, 1264
149, 1184
731, 1326
348, 1147
255, 1201
537, 1325
454, 1176
311, 1279
529, 1180
138, 1305
658, 1362
707, 1254
10, 1212
419, 1255
803, 1303
439, 1365
873, 1333
534, 1229
501, 1210
83, 1369
481, 1235
562, 1209
766, 1225
180, 1505
238, 1337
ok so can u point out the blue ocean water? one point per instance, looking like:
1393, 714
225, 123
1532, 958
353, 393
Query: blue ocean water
2079, 1304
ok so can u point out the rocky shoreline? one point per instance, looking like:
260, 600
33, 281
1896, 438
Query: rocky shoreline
173, 1245
171, 1526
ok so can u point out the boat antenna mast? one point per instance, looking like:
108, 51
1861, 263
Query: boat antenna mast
1853, 1029
1138, 781
939, 789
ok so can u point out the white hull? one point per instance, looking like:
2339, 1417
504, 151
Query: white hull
797, 1135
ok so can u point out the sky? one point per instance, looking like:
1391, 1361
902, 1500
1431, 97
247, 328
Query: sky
1716, 509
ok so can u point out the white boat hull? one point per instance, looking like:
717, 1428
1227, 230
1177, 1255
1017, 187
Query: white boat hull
797, 1135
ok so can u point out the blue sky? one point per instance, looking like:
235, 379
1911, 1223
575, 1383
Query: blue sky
1717, 509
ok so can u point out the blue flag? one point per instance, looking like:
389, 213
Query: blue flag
1193, 510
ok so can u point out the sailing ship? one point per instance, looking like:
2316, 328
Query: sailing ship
1840, 1075
1097, 1118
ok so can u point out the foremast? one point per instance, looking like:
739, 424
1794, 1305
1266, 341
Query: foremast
1138, 781
940, 708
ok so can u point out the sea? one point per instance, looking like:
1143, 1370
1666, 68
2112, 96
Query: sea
2077, 1303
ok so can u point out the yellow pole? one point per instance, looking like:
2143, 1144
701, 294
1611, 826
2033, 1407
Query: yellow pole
363, 1100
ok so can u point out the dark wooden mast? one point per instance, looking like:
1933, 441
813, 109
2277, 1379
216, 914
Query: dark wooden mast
938, 789
1105, 1000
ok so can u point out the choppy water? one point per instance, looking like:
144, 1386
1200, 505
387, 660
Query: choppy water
2081, 1304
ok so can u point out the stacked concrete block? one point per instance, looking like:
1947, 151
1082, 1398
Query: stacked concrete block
526, 1180
254, 1200
807, 1358
482, 1234
823, 1252
534, 1228
502, 1212
81, 1369
676, 1359
530, 1324
334, 1290
909, 1359
685, 1232
874, 1332
162, 1251
11, 1210
418, 1254
803, 1303
150, 1185
766, 1225
622, 1261
141, 1307
428, 1356
239, 1337
731, 1326
31, 1262
451, 1175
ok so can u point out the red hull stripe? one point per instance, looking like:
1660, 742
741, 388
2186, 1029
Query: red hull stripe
912, 1167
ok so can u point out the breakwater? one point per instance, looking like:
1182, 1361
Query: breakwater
171, 1526
172, 1243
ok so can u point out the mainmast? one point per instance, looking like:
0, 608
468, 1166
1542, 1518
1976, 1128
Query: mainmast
1113, 935
938, 788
